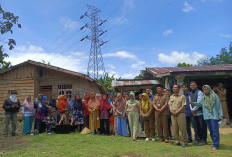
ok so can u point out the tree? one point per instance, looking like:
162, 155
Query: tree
7, 21
184, 65
141, 75
106, 82
224, 57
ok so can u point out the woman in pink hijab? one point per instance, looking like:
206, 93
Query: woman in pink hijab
28, 114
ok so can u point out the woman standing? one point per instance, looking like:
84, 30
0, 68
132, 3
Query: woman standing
105, 115
28, 114
63, 104
86, 111
132, 109
120, 112
78, 112
212, 112
52, 102
148, 115
93, 107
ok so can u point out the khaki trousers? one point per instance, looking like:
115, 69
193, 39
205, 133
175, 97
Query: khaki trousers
225, 111
179, 128
149, 126
162, 127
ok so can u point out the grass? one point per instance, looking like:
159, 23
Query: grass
96, 145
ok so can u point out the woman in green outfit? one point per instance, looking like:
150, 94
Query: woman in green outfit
132, 109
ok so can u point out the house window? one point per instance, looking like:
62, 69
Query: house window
65, 89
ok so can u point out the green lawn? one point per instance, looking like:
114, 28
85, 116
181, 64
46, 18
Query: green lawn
96, 145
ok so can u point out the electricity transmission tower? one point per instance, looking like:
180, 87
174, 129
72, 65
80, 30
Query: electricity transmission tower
96, 67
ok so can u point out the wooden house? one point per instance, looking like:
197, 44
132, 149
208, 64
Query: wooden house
32, 78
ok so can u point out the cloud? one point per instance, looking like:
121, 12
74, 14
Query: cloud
212, 0
187, 7
69, 23
137, 63
176, 57
226, 35
75, 61
120, 20
123, 75
129, 4
111, 66
167, 32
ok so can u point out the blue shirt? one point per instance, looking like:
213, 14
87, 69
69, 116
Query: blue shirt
216, 111
187, 110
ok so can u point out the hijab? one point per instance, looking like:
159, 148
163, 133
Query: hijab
28, 104
120, 104
13, 98
77, 104
111, 100
40, 101
145, 105
86, 100
105, 104
210, 99
60, 98
52, 102
94, 102
131, 101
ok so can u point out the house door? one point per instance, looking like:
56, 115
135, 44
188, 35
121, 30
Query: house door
46, 90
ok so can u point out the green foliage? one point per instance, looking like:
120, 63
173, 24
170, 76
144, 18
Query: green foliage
106, 82
184, 65
3, 64
141, 75
224, 57
7, 21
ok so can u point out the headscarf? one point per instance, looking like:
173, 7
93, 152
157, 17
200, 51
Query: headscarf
70, 103
105, 104
86, 100
63, 104
13, 98
52, 102
60, 98
120, 104
40, 101
77, 104
145, 105
210, 99
131, 101
94, 102
111, 100
28, 104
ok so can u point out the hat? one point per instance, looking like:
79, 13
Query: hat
85, 131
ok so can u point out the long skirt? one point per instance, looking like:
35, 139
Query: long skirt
28, 120
96, 121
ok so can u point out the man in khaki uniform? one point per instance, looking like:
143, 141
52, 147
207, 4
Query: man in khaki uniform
221, 92
177, 105
160, 103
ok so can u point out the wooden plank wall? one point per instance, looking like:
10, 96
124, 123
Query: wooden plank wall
21, 80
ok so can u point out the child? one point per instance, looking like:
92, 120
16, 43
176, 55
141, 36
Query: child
52, 121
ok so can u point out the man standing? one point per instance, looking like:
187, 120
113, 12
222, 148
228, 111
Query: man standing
189, 117
11, 106
200, 127
221, 92
177, 105
148, 91
160, 103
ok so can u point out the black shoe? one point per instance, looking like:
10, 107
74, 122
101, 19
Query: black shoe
196, 142
202, 143
189, 141
176, 144
184, 145
13, 134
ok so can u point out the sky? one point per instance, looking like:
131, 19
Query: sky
140, 33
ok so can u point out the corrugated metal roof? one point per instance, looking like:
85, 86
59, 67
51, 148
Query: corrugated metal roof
163, 70
122, 83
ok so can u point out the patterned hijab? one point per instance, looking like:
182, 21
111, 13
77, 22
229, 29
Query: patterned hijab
210, 99
94, 102
145, 105
28, 104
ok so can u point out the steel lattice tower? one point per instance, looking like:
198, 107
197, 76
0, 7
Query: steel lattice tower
96, 67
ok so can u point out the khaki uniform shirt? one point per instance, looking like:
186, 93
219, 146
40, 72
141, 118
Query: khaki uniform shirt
177, 101
160, 101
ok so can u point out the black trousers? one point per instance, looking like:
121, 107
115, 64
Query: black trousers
105, 126
86, 121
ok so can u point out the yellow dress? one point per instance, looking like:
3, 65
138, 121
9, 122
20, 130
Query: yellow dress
96, 119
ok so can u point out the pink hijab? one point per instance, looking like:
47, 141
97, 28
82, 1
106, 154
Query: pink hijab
28, 104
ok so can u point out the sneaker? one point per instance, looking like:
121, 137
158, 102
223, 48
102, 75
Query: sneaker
202, 143
147, 139
176, 144
32, 134
184, 145
49, 133
153, 139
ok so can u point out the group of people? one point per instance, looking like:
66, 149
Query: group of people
120, 114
